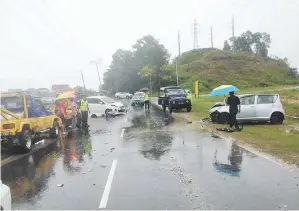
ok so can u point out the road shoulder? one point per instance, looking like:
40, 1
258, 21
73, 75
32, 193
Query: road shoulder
270, 144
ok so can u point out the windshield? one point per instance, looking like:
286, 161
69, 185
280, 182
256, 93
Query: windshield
48, 94
11, 103
176, 92
108, 100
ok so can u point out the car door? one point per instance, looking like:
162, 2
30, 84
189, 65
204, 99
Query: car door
265, 106
121, 95
101, 106
92, 105
42, 115
248, 108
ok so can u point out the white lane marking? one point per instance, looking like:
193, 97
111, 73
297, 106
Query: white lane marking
107, 189
126, 119
122, 133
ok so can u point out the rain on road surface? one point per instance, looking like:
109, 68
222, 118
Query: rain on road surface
137, 161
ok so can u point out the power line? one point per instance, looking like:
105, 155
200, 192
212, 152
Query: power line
195, 38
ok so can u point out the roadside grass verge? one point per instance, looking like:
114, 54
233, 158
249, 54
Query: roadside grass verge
269, 89
278, 140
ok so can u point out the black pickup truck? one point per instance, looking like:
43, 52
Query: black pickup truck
175, 98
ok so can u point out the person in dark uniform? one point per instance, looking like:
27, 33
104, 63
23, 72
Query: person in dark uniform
234, 108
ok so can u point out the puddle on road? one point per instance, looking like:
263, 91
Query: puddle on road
100, 131
28, 175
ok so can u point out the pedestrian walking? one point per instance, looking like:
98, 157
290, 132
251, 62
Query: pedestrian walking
84, 112
234, 108
146, 101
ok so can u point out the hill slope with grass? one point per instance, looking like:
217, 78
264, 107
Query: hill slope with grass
214, 67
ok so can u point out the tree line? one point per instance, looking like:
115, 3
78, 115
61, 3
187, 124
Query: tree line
257, 42
131, 70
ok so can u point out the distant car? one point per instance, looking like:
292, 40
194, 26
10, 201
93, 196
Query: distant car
138, 99
48, 98
5, 202
254, 107
102, 105
174, 97
123, 95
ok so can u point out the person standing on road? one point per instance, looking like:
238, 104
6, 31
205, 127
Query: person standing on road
63, 114
84, 112
234, 108
189, 96
146, 101
74, 113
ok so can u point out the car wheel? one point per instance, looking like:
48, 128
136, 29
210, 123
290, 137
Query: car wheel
276, 118
128, 97
93, 116
54, 132
189, 109
107, 111
118, 97
213, 117
26, 141
223, 118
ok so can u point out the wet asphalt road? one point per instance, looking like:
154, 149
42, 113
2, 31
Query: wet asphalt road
137, 161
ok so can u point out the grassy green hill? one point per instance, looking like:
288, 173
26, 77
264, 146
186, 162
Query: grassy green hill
214, 67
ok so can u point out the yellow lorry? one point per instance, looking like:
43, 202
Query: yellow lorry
23, 118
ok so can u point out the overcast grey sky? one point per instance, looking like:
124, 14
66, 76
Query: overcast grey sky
45, 42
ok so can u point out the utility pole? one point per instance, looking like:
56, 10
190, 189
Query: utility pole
233, 27
83, 82
195, 39
179, 43
212, 44
96, 63
177, 60
176, 70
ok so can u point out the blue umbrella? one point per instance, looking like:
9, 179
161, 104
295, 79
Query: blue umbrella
223, 89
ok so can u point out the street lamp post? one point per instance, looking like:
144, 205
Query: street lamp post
96, 63
176, 70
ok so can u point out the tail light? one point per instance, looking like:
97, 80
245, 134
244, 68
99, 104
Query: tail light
8, 126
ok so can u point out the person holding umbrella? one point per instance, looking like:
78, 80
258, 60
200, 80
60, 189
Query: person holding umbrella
234, 107
146, 101
232, 101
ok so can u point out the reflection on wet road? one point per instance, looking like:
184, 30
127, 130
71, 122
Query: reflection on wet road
156, 166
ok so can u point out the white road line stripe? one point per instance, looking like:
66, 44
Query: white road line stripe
126, 119
107, 189
122, 133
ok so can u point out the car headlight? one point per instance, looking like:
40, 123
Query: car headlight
213, 110
187, 101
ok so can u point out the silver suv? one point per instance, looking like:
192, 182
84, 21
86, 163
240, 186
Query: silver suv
254, 108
